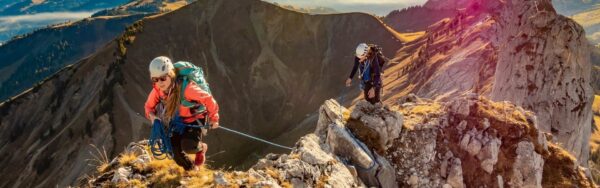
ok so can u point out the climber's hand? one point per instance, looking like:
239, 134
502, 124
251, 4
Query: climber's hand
214, 125
348, 82
153, 117
371, 93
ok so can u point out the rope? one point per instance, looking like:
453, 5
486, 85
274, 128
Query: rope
160, 142
254, 138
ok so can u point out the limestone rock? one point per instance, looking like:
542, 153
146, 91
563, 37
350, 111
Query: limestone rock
489, 155
220, 179
528, 167
553, 74
455, 176
121, 175
374, 125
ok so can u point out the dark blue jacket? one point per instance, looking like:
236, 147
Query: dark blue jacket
375, 71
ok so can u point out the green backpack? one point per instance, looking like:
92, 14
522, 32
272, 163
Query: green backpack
186, 73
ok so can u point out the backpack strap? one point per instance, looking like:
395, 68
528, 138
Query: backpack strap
200, 109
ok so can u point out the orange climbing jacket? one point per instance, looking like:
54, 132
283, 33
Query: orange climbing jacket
192, 93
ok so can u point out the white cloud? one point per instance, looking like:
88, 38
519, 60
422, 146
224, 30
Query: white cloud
44, 17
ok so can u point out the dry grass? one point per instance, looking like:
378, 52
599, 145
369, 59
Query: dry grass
434, 108
415, 115
173, 6
132, 183
559, 169
273, 173
99, 159
165, 173
504, 111
346, 115
595, 137
588, 18
126, 159
594, 160
408, 37
322, 181
201, 178
294, 156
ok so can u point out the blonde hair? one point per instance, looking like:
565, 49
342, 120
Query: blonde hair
174, 98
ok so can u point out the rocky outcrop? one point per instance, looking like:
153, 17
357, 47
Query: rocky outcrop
438, 144
371, 167
471, 141
331, 157
528, 166
545, 67
378, 125
517, 51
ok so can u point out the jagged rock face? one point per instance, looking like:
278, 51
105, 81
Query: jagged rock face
471, 142
381, 126
519, 51
310, 163
269, 68
544, 66
371, 167
454, 56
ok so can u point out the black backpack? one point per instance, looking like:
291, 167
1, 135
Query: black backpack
379, 54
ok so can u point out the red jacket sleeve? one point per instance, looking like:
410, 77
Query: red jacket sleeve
194, 93
151, 102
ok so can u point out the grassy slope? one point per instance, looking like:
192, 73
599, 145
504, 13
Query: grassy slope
590, 20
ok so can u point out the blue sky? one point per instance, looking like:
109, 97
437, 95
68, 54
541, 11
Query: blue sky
378, 7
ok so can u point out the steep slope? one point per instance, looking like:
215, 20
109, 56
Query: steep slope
590, 20
416, 18
595, 141
268, 68
30, 59
521, 52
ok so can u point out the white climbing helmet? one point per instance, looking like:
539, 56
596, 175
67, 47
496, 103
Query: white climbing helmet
362, 49
160, 66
